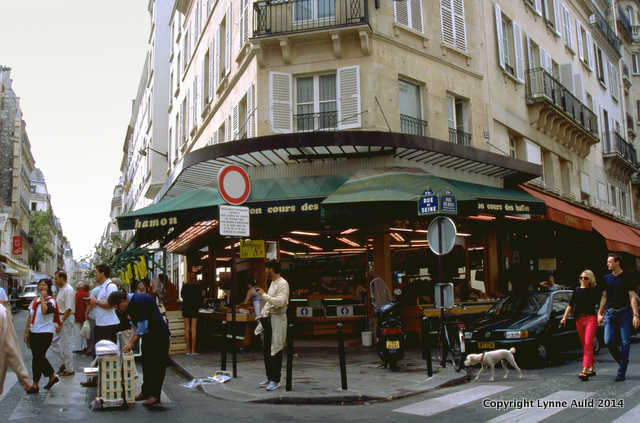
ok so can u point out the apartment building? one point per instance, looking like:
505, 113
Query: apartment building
144, 164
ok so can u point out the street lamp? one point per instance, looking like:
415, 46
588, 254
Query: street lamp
143, 152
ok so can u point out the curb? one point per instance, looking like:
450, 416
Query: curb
350, 399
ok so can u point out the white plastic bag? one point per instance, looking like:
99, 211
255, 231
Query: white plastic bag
85, 330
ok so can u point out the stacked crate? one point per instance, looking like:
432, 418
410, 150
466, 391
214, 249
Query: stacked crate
128, 381
178, 343
110, 388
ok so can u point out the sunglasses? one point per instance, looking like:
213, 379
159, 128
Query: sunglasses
584, 278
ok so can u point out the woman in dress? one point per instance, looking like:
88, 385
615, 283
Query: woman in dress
191, 299
38, 334
584, 303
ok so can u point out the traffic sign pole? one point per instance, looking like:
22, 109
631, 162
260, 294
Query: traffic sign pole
443, 355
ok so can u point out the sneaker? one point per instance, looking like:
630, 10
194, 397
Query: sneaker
264, 383
272, 386
620, 378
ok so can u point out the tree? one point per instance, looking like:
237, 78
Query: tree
40, 229
104, 253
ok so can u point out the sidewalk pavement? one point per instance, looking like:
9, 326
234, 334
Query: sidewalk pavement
316, 377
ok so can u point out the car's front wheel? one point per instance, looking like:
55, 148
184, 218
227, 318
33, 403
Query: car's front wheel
542, 353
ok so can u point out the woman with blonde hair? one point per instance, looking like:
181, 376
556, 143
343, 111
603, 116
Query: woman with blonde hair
584, 302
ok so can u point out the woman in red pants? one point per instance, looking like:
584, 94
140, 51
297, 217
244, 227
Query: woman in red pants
584, 303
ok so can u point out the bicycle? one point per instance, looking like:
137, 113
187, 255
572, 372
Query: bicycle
449, 340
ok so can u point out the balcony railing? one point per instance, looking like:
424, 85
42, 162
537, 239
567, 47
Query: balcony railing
541, 85
625, 70
412, 126
458, 136
616, 145
601, 23
624, 20
293, 16
311, 122
635, 31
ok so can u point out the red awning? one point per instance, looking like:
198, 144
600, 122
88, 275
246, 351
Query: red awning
619, 237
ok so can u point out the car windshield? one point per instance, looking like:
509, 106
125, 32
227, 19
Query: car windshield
30, 289
530, 303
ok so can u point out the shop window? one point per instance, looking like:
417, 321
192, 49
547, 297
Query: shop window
316, 102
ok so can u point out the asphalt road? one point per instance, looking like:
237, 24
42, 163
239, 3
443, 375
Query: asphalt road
473, 401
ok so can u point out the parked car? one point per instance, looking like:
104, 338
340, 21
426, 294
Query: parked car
530, 322
29, 292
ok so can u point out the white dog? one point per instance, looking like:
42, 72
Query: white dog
490, 359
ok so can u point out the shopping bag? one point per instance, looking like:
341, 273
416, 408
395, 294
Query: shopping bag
85, 330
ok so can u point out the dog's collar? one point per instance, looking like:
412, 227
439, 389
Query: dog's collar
482, 358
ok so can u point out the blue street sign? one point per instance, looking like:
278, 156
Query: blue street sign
428, 192
449, 204
428, 205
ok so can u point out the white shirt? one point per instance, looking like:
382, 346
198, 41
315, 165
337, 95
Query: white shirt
94, 293
106, 316
44, 322
3, 295
66, 299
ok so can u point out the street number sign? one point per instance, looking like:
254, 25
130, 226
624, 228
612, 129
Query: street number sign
441, 235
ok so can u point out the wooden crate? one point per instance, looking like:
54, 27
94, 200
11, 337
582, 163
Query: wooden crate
177, 341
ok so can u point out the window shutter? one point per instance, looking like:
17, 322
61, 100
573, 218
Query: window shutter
499, 34
545, 60
212, 69
348, 87
227, 129
235, 117
218, 71
451, 111
280, 101
567, 26
579, 37
241, 28
566, 76
577, 86
215, 136
531, 60
195, 102
401, 11
460, 25
590, 51
227, 44
446, 18
416, 15
203, 93
609, 77
250, 112
539, 7
519, 56
557, 16
245, 21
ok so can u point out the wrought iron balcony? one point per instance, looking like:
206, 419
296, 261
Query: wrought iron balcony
635, 31
458, 136
615, 147
412, 126
625, 22
542, 86
599, 21
311, 122
274, 18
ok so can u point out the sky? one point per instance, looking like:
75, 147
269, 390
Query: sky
76, 66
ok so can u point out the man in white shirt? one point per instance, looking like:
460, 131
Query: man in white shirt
61, 345
107, 322
4, 300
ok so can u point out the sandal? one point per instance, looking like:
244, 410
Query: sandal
52, 381
591, 371
583, 375
32, 390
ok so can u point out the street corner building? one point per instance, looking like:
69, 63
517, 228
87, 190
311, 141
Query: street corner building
348, 115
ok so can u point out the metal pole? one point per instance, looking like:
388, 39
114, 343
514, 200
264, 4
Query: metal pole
443, 360
223, 351
290, 357
234, 289
426, 345
343, 364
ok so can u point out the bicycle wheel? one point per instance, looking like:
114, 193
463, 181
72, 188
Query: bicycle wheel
455, 347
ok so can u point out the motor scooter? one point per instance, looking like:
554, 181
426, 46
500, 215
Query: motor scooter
391, 339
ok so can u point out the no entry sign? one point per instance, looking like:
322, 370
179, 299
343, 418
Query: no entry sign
234, 185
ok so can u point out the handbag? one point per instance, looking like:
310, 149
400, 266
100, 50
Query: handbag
85, 330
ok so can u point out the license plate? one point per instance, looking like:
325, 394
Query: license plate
393, 345
486, 345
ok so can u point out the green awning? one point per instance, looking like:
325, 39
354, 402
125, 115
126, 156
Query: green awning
406, 187
202, 204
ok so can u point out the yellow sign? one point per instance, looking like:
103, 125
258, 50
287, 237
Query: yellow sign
548, 264
252, 249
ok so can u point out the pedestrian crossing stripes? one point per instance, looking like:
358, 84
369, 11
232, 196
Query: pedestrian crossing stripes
630, 416
540, 412
447, 402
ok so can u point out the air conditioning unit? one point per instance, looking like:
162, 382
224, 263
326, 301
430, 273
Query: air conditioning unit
592, 19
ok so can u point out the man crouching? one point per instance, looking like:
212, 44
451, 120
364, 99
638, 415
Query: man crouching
146, 322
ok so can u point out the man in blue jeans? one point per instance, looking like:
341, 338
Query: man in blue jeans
618, 301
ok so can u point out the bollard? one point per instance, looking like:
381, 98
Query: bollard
289, 386
223, 351
343, 364
426, 345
